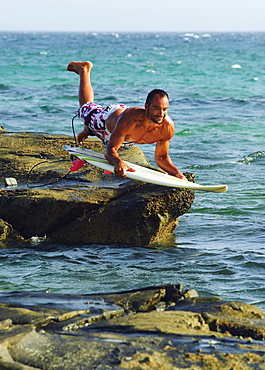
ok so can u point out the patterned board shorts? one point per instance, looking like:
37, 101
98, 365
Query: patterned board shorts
94, 117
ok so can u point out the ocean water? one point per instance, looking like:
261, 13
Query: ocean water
216, 84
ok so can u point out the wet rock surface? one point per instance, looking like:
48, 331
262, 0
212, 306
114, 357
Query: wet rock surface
85, 207
164, 327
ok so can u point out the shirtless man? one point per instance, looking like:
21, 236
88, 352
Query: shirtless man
117, 124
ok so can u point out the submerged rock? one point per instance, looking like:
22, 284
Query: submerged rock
129, 330
87, 206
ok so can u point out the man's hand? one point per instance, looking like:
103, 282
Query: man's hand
121, 168
182, 177
81, 137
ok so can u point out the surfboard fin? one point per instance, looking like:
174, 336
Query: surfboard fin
77, 164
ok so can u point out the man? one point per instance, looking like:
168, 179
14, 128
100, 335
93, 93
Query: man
118, 124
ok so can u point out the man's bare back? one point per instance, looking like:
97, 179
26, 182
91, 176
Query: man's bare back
138, 125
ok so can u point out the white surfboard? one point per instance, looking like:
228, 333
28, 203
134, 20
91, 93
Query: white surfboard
141, 173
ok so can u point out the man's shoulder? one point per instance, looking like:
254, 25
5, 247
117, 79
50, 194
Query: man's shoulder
168, 128
134, 112
169, 120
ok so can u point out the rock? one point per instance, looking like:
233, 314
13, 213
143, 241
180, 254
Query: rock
84, 207
8, 233
124, 330
238, 319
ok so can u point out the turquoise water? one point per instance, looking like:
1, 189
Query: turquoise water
216, 84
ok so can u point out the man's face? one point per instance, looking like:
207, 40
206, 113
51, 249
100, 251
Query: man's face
157, 110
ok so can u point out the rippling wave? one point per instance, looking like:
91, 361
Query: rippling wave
250, 158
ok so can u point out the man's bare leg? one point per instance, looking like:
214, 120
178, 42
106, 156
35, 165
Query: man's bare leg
83, 69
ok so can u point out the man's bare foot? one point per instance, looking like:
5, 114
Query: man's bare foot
78, 67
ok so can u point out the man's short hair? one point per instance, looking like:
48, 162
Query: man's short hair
154, 92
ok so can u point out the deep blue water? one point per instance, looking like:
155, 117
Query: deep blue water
216, 84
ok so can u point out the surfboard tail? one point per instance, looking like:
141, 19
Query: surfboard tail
77, 164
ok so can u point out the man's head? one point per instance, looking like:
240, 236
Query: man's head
156, 105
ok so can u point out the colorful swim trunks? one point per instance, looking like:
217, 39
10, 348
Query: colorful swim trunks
94, 117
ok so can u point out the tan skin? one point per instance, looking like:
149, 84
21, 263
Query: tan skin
136, 125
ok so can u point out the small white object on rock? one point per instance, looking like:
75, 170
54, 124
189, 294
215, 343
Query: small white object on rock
10, 181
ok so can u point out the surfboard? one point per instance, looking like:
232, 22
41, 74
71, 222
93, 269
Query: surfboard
141, 173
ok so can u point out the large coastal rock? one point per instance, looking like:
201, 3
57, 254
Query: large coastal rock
85, 207
156, 328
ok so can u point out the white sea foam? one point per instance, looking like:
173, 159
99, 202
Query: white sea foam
236, 66
193, 35
38, 239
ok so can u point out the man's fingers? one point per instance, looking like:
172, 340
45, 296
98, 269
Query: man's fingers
121, 171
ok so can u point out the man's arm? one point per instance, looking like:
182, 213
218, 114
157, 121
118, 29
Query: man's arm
112, 156
163, 159
111, 153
